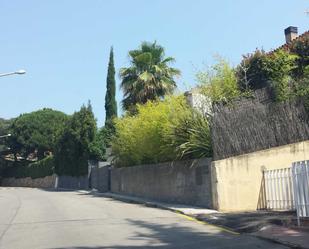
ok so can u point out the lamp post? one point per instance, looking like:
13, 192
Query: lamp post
12, 73
8, 135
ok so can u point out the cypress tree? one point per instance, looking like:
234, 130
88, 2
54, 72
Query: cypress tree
110, 97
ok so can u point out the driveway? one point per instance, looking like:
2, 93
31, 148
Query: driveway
37, 218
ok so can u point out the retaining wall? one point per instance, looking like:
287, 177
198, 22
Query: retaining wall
237, 182
185, 182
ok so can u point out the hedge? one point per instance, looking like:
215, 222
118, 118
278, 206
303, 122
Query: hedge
39, 169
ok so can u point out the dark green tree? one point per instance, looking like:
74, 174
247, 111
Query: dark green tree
36, 131
273, 70
110, 97
98, 146
252, 72
4, 130
74, 146
4, 126
149, 77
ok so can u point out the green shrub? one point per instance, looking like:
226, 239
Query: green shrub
42, 168
280, 66
143, 138
39, 169
302, 87
219, 83
273, 70
252, 71
191, 135
301, 49
160, 131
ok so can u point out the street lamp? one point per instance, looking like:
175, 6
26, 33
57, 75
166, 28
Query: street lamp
11, 73
8, 135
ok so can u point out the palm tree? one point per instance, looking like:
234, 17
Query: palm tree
149, 77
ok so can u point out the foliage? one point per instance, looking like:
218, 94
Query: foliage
279, 69
4, 126
274, 70
302, 87
159, 132
301, 49
39, 169
97, 148
37, 130
4, 164
110, 99
252, 71
73, 149
191, 135
143, 138
149, 77
4, 130
219, 83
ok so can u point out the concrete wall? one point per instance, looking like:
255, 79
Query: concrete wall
185, 182
237, 181
46, 182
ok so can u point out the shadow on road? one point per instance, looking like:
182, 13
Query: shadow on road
177, 236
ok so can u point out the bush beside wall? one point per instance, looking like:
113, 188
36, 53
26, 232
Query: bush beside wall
39, 169
161, 131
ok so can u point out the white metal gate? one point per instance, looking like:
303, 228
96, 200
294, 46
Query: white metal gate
288, 189
279, 189
300, 172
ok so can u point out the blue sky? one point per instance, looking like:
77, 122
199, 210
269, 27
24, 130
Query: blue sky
64, 45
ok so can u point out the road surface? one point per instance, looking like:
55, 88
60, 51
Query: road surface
36, 218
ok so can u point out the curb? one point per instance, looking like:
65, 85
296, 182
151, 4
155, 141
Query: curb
157, 205
231, 230
130, 200
193, 218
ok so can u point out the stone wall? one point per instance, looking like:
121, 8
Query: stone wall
46, 182
66, 182
184, 182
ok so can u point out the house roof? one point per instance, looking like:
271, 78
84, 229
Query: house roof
287, 46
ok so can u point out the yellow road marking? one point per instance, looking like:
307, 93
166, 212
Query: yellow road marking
206, 223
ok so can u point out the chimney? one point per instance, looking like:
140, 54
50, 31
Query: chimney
290, 34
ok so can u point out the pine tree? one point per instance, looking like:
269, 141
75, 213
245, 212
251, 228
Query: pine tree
110, 97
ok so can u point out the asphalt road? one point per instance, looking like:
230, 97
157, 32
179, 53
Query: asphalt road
35, 219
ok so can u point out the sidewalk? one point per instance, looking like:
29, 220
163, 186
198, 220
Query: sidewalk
183, 209
266, 225
295, 238
275, 226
